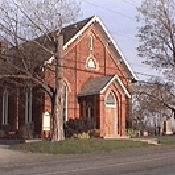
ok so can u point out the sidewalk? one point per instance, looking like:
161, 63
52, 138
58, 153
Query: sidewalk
151, 141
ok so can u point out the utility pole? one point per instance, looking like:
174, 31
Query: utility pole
58, 106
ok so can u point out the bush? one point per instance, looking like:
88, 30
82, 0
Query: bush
74, 127
2, 133
26, 131
132, 133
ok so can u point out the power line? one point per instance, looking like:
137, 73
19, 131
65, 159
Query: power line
130, 3
84, 63
109, 10
132, 38
93, 71
134, 2
81, 62
140, 73
83, 70
138, 65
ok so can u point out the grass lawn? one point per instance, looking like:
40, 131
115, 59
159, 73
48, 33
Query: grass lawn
166, 140
78, 146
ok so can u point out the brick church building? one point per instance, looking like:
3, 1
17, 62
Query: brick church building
97, 85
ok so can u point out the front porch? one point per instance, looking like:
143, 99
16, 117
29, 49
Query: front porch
104, 102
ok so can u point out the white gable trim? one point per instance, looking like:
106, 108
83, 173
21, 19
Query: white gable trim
80, 33
116, 77
97, 19
49, 61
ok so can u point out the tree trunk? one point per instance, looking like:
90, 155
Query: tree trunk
58, 98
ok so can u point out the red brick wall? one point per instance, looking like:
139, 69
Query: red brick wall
102, 117
76, 74
75, 65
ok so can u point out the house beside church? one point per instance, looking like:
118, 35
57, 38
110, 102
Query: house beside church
97, 86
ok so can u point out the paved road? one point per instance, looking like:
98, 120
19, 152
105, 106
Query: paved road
154, 161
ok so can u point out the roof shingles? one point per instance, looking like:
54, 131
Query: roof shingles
94, 86
71, 30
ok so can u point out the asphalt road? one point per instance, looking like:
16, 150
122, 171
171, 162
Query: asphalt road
154, 161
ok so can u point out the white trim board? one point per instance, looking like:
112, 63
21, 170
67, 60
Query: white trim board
116, 77
110, 106
97, 19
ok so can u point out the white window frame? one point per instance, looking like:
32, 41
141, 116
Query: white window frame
5, 107
91, 47
67, 91
46, 124
88, 67
28, 106
89, 113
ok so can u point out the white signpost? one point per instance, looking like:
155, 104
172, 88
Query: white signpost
46, 121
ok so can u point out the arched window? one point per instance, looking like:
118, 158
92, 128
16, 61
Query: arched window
91, 64
89, 112
110, 99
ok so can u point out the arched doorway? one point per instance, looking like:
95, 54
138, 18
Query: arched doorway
111, 116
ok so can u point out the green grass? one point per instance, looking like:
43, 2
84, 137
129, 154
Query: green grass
166, 140
78, 146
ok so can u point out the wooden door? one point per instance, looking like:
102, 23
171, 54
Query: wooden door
110, 123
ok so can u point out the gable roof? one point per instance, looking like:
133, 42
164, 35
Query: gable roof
81, 28
71, 30
98, 86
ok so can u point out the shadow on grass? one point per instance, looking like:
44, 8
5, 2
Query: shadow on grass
166, 140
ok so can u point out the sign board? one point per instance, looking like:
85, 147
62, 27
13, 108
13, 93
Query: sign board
46, 121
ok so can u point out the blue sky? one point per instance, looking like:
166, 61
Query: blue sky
119, 18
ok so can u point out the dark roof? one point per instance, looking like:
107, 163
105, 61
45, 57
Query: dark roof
70, 30
94, 86
40, 54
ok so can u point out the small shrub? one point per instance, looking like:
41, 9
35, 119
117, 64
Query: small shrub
27, 131
85, 135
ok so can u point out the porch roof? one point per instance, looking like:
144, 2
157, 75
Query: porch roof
99, 85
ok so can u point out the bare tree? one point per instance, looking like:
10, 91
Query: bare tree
157, 41
32, 30
149, 109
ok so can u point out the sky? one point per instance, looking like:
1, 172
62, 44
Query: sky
119, 16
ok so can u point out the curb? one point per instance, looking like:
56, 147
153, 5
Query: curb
4, 146
28, 141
